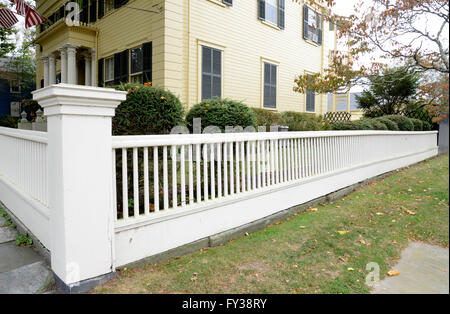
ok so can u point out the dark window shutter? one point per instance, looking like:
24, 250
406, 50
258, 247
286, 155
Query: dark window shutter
320, 30
262, 9
42, 83
93, 11
119, 3
51, 18
147, 62
117, 68
84, 15
61, 12
281, 13
227, 2
124, 62
101, 8
100, 72
305, 22
270, 85
331, 26
206, 73
310, 99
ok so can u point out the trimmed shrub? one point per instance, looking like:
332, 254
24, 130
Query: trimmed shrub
404, 123
363, 124
298, 121
147, 110
427, 126
268, 118
390, 125
9, 122
377, 125
343, 126
418, 124
221, 113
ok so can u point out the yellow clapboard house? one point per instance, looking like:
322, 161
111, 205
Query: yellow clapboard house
247, 50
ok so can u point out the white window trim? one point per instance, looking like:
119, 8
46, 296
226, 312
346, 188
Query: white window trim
200, 44
105, 80
277, 63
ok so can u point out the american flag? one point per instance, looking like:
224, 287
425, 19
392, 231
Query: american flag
20, 6
32, 18
7, 18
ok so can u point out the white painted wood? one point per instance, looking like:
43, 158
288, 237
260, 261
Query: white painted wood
183, 176
191, 175
156, 178
174, 176
135, 182
146, 183
124, 183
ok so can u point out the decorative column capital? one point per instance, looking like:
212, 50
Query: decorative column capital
65, 99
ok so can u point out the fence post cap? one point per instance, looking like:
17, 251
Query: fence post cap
67, 99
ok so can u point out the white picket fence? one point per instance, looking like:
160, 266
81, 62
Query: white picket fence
203, 168
23, 178
98, 201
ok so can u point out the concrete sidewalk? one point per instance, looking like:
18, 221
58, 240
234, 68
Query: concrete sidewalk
22, 270
424, 269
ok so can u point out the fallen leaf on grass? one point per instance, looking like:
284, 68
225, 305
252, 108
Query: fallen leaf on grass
409, 212
341, 232
380, 214
393, 273
350, 269
314, 210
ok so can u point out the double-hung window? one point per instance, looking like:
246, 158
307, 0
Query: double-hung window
272, 11
211, 73
310, 99
312, 25
270, 85
109, 5
137, 65
109, 71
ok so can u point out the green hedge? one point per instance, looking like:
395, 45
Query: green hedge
377, 125
363, 124
427, 126
298, 121
418, 124
221, 113
147, 110
390, 122
9, 122
268, 118
390, 125
404, 123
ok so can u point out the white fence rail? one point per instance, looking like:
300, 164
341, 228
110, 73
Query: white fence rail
157, 175
23, 161
23, 178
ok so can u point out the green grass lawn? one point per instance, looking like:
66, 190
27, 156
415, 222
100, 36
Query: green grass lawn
323, 251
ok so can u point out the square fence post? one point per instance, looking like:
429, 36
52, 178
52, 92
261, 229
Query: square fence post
80, 182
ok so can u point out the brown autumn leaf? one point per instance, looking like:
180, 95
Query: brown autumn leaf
393, 273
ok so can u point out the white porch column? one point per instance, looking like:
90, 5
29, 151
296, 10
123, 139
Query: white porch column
51, 69
45, 61
93, 67
87, 70
63, 52
72, 65
80, 181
